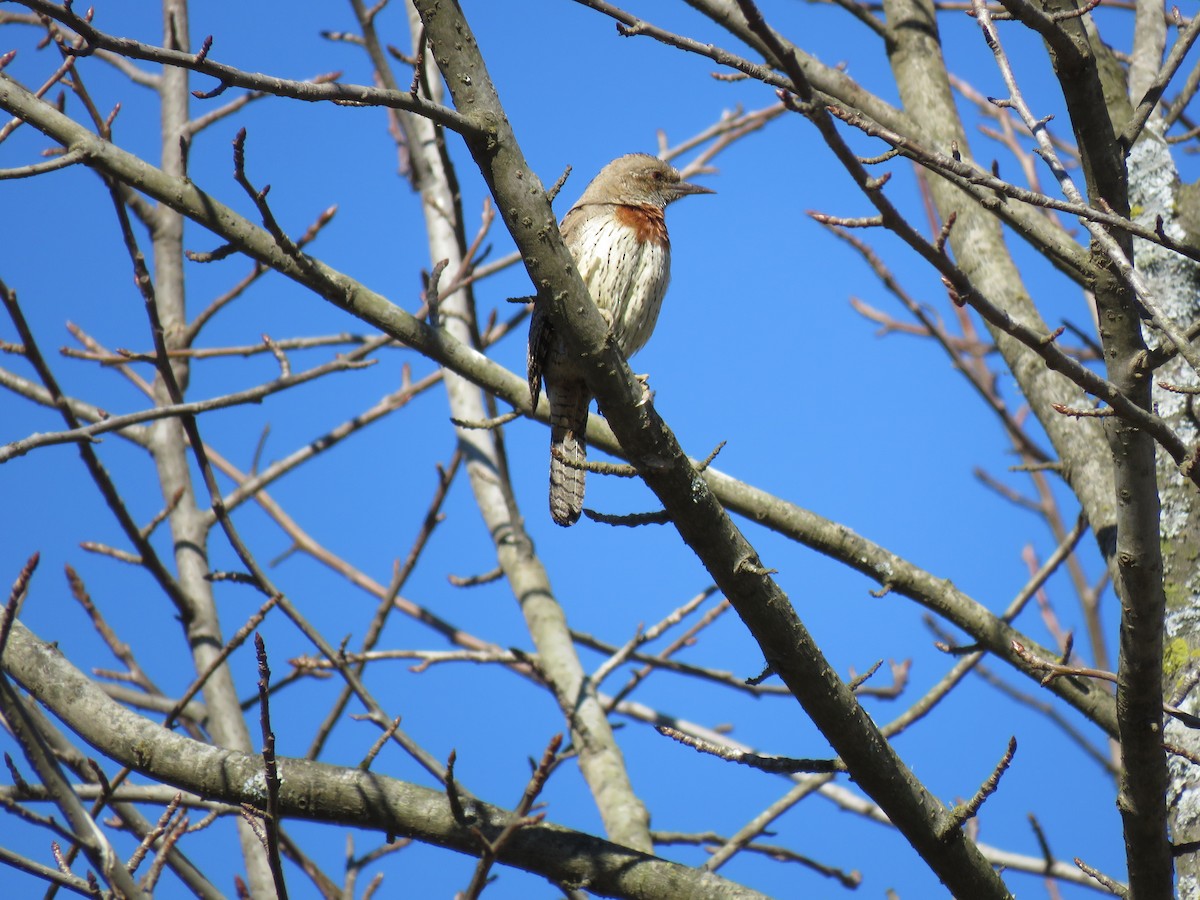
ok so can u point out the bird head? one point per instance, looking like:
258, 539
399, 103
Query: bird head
639, 179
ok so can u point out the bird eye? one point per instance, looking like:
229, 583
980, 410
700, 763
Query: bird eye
656, 175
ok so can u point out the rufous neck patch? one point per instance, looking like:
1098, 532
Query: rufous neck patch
649, 224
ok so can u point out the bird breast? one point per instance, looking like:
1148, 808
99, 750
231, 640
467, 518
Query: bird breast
625, 260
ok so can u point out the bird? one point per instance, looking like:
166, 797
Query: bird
617, 234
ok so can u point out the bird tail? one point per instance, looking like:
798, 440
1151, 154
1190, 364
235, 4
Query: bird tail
568, 425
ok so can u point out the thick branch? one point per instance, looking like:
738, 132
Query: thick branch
347, 796
700, 519
600, 760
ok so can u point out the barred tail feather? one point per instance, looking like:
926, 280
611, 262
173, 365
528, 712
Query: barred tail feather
568, 424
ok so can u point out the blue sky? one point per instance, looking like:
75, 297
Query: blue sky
757, 346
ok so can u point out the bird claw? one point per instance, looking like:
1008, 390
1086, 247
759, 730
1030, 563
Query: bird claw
647, 394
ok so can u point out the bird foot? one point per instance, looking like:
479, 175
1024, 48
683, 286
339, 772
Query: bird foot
647, 394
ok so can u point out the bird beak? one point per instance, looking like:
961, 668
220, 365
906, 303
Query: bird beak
686, 187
